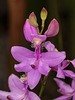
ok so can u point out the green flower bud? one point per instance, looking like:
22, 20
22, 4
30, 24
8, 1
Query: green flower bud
43, 14
33, 20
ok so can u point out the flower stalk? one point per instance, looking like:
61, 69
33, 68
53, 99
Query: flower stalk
42, 26
43, 85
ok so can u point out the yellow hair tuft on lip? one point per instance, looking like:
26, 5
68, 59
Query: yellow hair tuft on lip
36, 41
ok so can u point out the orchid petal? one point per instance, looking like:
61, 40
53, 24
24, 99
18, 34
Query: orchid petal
3, 95
63, 98
64, 88
53, 58
22, 67
65, 63
21, 54
18, 96
33, 78
33, 96
25, 66
69, 73
60, 73
43, 68
29, 30
73, 84
49, 46
73, 62
53, 28
15, 84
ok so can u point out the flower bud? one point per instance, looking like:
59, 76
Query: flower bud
43, 14
53, 28
33, 20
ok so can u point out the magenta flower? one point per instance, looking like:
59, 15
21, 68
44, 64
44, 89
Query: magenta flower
18, 90
53, 28
35, 63
61, 73
65, 89
30, 31
31, 34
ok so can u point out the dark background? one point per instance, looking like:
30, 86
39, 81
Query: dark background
13, 14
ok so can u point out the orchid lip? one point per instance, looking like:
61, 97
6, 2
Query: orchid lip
36, 40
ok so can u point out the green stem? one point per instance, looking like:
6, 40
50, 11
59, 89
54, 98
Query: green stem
43, 85
41, 91
37, 29
42, 27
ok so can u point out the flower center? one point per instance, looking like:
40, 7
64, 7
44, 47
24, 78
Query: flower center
36, 41
23, 78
